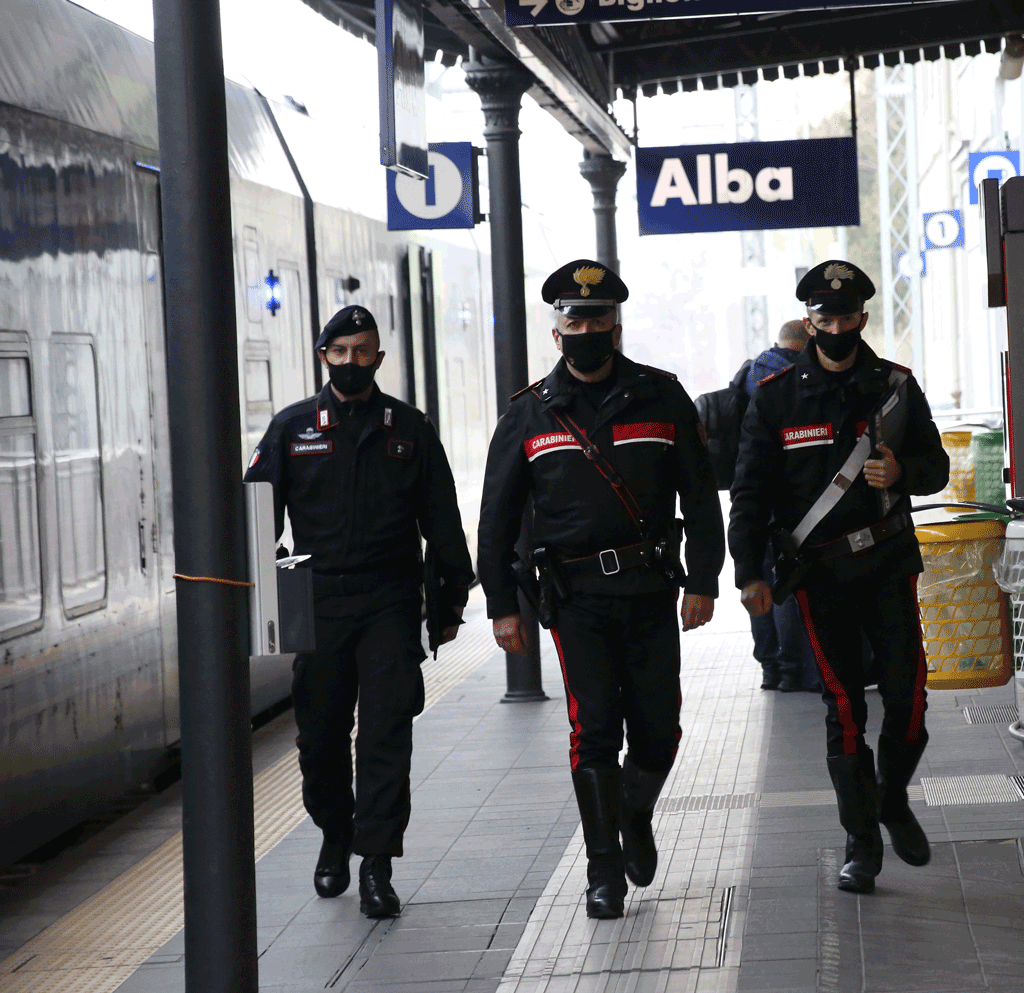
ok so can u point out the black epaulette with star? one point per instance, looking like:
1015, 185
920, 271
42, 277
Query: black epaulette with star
660, 372
525, 389
775, 375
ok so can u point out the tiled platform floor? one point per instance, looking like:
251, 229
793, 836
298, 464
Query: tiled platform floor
744, 900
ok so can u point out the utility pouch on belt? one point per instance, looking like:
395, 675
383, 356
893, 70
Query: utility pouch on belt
666, 554
788, 567
526, 579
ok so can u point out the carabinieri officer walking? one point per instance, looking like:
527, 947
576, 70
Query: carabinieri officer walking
362, 476
605, 445
800, 430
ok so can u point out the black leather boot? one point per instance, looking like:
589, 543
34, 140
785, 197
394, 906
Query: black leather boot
640, 792
331, 876
598, 792
377, 897
896, 764
853, 777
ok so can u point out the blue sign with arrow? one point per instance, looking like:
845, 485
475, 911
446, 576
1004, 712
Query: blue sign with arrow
529, 13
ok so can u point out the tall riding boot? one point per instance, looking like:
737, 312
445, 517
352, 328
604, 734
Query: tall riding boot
896, 764
640, 792
853, 777
597, 793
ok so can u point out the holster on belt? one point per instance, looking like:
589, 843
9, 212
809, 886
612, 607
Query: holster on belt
543, 585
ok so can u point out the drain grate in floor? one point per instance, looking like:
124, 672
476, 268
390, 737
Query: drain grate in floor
952, 791
1000, 713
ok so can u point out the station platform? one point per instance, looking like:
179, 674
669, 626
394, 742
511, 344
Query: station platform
492, 883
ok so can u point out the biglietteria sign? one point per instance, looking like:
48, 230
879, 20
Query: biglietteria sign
748, 186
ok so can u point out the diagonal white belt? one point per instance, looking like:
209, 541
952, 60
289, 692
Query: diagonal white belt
841, 482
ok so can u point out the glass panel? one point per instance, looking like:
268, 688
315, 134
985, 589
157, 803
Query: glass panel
257, 380
76, 444
15, 400
21, 599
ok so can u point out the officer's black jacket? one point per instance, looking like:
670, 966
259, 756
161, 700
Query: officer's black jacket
781, 475
360, 505
647, 427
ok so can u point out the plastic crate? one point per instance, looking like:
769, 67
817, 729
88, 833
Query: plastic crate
961, 466
987, 459
964, 614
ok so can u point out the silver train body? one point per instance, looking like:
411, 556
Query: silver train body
88, 672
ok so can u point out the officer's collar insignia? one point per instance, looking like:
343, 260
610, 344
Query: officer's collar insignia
837, 273
323, 418
587, 276
388, 417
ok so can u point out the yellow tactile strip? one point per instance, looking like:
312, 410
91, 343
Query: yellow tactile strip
99, 944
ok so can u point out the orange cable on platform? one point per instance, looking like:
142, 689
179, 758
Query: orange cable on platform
212, 579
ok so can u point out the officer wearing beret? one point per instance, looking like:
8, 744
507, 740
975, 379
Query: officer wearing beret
604, 446
362, 476
860, 560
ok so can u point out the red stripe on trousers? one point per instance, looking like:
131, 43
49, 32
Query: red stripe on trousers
577, 730
829, 678
917, 712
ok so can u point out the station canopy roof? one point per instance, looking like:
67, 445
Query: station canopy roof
581, 68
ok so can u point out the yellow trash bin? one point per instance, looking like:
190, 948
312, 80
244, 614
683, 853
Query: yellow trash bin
964, 614
961, 466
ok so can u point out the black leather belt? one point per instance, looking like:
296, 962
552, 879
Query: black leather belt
859, 541
610, 561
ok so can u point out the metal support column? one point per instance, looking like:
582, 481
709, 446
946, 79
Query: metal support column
209, 515
1012, 203
603, 173
756, 337
500, 86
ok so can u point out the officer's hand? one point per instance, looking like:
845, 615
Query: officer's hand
882, 473
756, 597
448, 634
510, 634
696, 610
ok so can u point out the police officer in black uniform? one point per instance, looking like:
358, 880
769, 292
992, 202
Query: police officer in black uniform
607, 543
861, 561
362, 476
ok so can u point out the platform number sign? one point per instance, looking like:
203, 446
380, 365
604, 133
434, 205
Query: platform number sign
1001, 165
944, 229
447, 198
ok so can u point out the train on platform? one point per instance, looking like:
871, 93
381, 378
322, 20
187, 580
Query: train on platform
88, 673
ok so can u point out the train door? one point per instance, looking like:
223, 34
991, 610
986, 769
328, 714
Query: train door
160, 526
420, 331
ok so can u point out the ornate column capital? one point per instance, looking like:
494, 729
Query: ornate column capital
603, 173
500, 86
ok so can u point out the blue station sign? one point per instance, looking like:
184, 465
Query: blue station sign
447, 198
748, 186
529, 13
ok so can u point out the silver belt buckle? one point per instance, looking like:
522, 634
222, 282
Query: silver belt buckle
615, 561
861, 539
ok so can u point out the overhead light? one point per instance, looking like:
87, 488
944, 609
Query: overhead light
1012, 59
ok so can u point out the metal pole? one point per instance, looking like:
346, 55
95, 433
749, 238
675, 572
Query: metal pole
500, 86
209, 519
1012, 202
603, 173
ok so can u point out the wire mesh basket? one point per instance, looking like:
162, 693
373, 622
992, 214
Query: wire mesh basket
1009, 574
961, 466
965, 620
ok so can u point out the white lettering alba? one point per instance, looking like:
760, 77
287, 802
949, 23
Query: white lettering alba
731, 185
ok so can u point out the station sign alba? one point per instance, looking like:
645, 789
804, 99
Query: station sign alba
748, 186
447, 198
529, 13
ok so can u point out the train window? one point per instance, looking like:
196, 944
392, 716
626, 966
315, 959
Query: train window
259, 398
76, 452
21, 596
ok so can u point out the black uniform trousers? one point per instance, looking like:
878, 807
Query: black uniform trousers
370, 652
885, 610
620, 662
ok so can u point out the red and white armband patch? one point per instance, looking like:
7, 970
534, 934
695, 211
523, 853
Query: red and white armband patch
806, 435
662, 432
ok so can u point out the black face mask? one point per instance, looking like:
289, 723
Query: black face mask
837, 346
588, 351
350, 379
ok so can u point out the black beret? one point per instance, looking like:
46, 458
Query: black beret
350, 320
584, 288
835, 287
